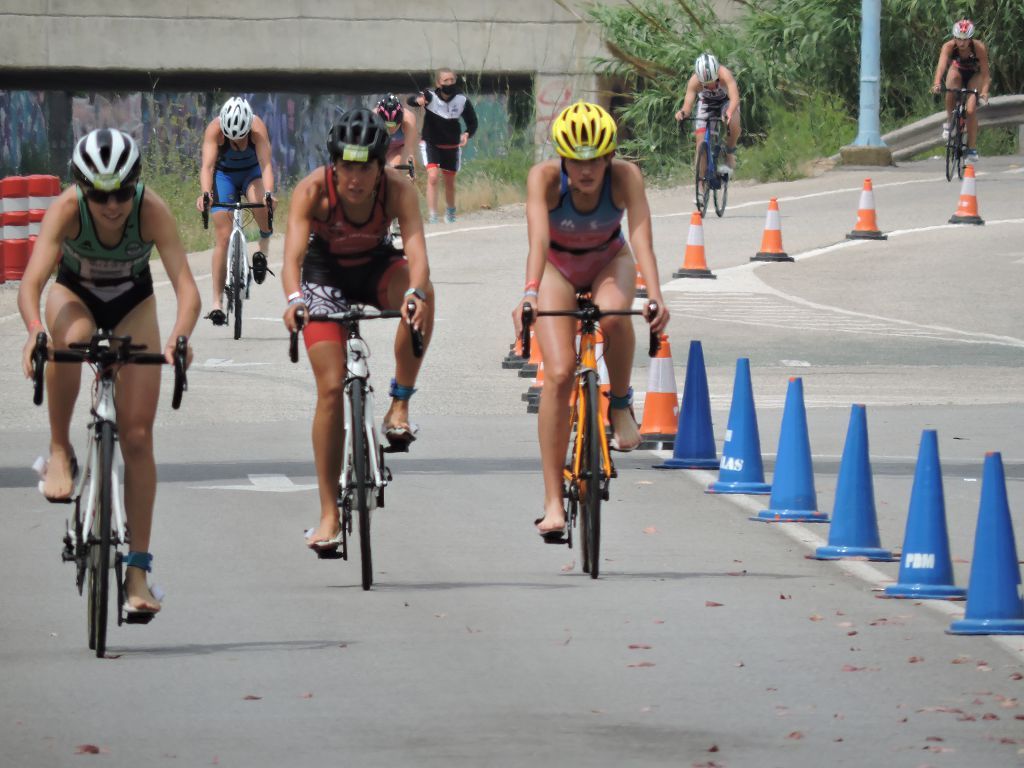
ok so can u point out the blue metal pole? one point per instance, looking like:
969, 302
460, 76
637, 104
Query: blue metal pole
868, 133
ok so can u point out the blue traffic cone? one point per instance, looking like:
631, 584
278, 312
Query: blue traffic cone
995, 597
793, 496
695, 439
854, 529
741, 469
926, 569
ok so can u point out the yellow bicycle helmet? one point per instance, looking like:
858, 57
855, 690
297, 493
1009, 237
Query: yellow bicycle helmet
583, 131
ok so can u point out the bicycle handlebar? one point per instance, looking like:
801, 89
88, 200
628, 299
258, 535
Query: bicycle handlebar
407, 166
589, 312
352, 315
267, 203
119, 351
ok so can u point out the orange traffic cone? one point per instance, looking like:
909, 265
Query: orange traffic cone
771, 240
694, 264
530, 369
641, 286
661, 403
532, 395
967, 210
866, 228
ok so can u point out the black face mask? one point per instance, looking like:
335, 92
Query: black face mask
448, 90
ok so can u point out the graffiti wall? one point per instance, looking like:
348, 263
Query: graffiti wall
169, 126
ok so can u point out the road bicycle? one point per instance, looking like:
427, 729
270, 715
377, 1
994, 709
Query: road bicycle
394, 236
708, 179
239, 278
97, 531
589, 469
956, 143
364, 474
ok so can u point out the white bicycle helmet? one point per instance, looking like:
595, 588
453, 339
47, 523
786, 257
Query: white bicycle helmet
106, 159
706, 68
963, 29
236, 118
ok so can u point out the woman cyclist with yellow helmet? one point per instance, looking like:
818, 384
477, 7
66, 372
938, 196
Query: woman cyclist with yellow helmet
574, 207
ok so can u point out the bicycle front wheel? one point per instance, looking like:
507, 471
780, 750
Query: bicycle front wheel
950, 155
701, 183
591, 475
361, 480
961, 148
99, 546
721, 194
238, 284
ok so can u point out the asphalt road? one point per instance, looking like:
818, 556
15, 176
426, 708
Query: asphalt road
709, 640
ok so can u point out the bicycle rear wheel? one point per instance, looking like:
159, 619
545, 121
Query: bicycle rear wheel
590, 477
99, 547
238, 284
703, 188
361, 480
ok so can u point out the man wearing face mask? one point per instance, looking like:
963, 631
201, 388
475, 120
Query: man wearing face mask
443, 138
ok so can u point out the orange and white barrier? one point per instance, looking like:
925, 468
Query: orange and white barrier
967, 209
694, 263
771, 240
23, 203
866, 227
661, 403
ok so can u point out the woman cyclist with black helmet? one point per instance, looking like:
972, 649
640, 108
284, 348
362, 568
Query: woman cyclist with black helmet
574, 208
236, 162
963, 63
99, 235
401, 125
336, 253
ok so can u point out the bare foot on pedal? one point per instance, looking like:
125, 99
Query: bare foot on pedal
61, 469
137, 593
625, 429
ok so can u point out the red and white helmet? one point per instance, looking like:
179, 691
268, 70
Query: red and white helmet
963, 29
236, 118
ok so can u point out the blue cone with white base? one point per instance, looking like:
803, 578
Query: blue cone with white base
695, 438
854, 529
794, 499
926, 568
995, 597
741, 469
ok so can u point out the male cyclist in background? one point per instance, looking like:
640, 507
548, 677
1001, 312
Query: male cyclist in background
714, 88
99, 236
401, 125
235, 162
336, 254
964, 61
443, 137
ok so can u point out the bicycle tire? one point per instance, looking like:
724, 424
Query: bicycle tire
590, 498
961, 147
950, 156
360, 479
99, 550
721, 194
701, 186
238, 285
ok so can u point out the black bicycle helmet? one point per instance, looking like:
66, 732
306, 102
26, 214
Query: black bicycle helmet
359, 136
106, 159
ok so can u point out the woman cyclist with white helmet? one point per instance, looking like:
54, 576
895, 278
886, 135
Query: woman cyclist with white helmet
713, 87
963, 63
99, 235
574, 208
236, 161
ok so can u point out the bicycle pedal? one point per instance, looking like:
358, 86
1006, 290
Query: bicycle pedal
138, 617
330, 554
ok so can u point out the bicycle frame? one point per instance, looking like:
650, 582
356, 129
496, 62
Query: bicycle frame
357, 375
587, 361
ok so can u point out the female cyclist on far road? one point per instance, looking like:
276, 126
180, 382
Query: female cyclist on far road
964, 62
574, 208
99, 236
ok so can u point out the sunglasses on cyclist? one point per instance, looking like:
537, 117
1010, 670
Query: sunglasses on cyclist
100, 197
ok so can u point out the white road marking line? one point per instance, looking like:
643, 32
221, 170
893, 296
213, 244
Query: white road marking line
266, 483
